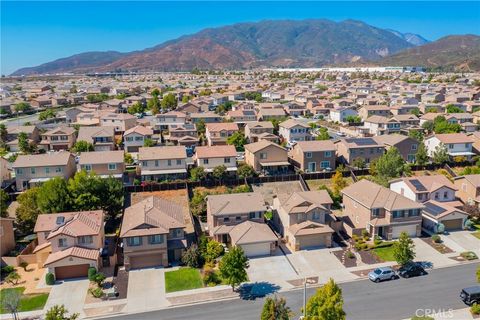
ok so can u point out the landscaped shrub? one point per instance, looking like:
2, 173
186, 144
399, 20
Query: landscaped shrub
350, 255
354, 237
92, 272
192, 257
50, 279
436, 238
210, 278
99, 278
365, 234
8, 269
214, 250
469, 255
13, 278
377, 241
24, 265
96, 292
475, 309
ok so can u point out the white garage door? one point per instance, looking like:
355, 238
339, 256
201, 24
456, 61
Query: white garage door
257, 249
410, 229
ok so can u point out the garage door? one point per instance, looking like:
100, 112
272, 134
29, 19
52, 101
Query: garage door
60, 147
454, 224
411, 229
146, 261
255, 250
312, 241
66, 272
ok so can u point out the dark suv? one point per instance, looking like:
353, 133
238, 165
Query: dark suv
411, 270
470, 295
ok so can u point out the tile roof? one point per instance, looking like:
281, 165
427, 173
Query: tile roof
38, 160
225, 204
87, 133
260, 145
142, 130
162, 153
308, 228
315, 145
447, 138
78, 252
305, 201
215, 127
102, 157
290, 123
215, 151
251, 232
83, 223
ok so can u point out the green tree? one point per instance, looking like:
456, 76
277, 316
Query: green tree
3, 135
13, 278
3, 203
169, 102
219, 172
185, 98
198, 205
112, 196
85, 191
213, 251
47, 114
404, 249
275, 308
27, 210
415, 111
153, 104
326, 303
201, 129
359, 163
451, 108
441, 125
416, 134
245, 171
22, 107
128, 158
323, 134
238, 140
390, 165
192, 257
11, 302
135, 108
233, 267
82, 146
53, 196
197, 173
440, 154
24, 144
338, 181
148, 143
428, 126
60, 313
421, 157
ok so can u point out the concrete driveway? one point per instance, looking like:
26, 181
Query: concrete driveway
426, 253
70, 293
321, 263
146, 290
461, 241
272, 269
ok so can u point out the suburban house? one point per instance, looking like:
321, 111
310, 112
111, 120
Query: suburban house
468, 188
242, 116
457, 144
120, 121
406, 146
340, 114
164, 120
440, 216
206, 117
34, 169
267, 157
350, 149
72, 240
183, 134
302, 219
163, 163
102, 138
5, 172
103, 163
366, 112
134, 138
7, 236
61, 138
218, 133
407, 120
423, 188
379, 125
211, 157
33, 135
262, 130
313, 156
380, 211
238, 219
293, 130
267, 114
152, 233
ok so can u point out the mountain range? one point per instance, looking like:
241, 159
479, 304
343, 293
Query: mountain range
270, 43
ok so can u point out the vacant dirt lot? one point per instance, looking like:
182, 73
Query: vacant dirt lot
270, 189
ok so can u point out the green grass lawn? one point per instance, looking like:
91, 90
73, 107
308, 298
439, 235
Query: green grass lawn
477, 234
27, 302
183, 279
385, 253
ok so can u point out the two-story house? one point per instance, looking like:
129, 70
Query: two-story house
103, 163
294, 130
366, 112
350, 149
340, 114
380, 211
164, 120
238, 219
7, 236
70, 242
152, 233
31, 170
134, 138
242, 117
405, 145
61, 138
120, 121
456, 144
302, 218
184, 134
313, 156
379, 125
33, 135
163, 163
267, 157
214, 156
468, 188
102, 138
262, 130
218, 133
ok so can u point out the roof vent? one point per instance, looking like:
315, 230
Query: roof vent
60, 220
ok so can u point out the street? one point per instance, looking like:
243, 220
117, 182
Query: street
363, 300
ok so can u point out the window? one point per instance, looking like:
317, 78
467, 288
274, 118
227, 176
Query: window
226, 160
308, 155
226, 219
144, 163
155, 239
450, 146
445, 195
87, 167
467, 145
32, 170
179, 162
129, 139
85, 240
19, 172
156, 163
414, 147
328, 154
112, 166
138, 138
134, 241
62, 242
325, 164
238, 218
176, 233
169, 162
58, 169
376, 212
47, 170
316, 215
255, 215
398, 214
436, 195
263, 155
205, 161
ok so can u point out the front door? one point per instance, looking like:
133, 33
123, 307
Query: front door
380, 232
312, 167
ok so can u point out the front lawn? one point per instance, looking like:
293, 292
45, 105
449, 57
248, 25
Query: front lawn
27, 302
385, 253
183, 279
477, 234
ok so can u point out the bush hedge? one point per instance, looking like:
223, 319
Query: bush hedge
50, 279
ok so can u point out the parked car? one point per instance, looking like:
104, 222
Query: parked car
470, 295
383, 273
411, 270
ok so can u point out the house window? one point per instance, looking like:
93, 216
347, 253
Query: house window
414, 147
436, 195
169, 162
445, 195
325, 164
238, 218
316, 216
179, 162
85, 240
134, 241
467, 145
328, 154
308, 154
129, 139
398, 214
226, 219
176, 233
112, 166
144, 163
226, 160
376, 212
62, 242
87, 167
205, 161
19, 172
58, 169
263, 155
255, 215
156, 163
47, 170
155, 239
450, 146
32, 170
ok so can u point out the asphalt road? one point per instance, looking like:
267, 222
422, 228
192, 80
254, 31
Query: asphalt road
364, 300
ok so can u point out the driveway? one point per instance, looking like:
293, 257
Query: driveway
321, 263
70, 293
146, 290
461, 241
426, 253
273, 269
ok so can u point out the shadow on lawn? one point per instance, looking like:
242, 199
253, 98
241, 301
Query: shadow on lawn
251, 291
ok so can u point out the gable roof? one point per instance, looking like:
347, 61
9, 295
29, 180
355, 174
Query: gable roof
215, 127
47, 159
290, 123
315, 145
262, 144
427, 183
87, 133
215, 151
142, 130
251, 232
102, 157
305, 201
225, 204
74, 224
78, 252
162, 153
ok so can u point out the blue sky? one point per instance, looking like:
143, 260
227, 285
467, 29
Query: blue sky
36, 32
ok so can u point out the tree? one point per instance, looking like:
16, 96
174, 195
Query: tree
441, 125
192, 257
440, 154
46, 114
275, 308
233, 267
390, 165
128, 158
3, 203
245, 171
416, 134
154, 104
112, 196
451, 108
359, 163
323, 134
60, 313
169, 102
82, 146
404, 249
201, 127
53, 196
415, 111
148, 143
197, 173
135, 108
326, 303
238, 140
219, 172
213, 251
11, 302
428, 126
84, 190
185, 98
421, 157
338, 182
27, 210
3, 135
23, 143
13, 278
22, 107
